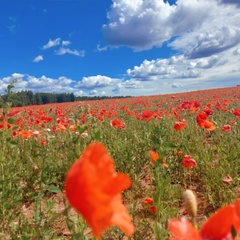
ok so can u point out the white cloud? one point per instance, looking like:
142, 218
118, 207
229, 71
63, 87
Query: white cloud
94, 92
38, 58
63, 51
66, 43
52, 43
142, 24
100, 49
197, 28
209, 72
176, 85
96, 82
80, 93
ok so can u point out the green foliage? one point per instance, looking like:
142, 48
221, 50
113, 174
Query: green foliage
32, 175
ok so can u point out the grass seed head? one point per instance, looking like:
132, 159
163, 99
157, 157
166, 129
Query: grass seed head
190, 202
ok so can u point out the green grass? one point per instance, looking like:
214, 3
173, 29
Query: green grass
22, 189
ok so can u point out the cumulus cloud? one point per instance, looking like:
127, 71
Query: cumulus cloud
142, 24
52, 43
66, 43
75, 52
187, 71
94, 92
38, 58
188, 26
96, 82
204, 62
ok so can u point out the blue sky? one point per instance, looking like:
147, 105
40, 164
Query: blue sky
119, 47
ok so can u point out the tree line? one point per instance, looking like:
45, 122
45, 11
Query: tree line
27, 97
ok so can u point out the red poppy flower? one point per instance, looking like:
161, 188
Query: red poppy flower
219, 226
72, 128
178, 126
153, 209
207, 125
154, 156
25, 134
147, 201
94, 189
182, 229
5, 125
117, 123
226, 128
233, 122
236, 112
188, 162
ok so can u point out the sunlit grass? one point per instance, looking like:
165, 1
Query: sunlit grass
33, 205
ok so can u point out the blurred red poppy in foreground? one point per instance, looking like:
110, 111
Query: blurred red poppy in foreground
188, 162
94, 189
218, 227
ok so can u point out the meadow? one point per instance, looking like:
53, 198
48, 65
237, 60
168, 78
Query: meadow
165, 144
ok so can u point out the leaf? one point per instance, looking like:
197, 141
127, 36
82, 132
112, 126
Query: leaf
170, 146
53, 189
10, 142
11, 120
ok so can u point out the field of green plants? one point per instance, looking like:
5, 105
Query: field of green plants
165, 144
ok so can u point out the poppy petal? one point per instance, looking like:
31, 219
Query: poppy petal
93, 188
219, 224
182, 229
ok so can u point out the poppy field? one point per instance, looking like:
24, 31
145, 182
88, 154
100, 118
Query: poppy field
149, 167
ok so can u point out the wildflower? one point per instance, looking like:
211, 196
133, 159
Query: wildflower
14, 133
203, 122
236, 112
226, 128
219, 225
201, 117
25, 134
152, 209
147, 201
43, 142
84, 135
233, 122
72, 128
178, 126
188, 162
5, 125
36, 169
117, 123
94, 189
61, 127
208, 125
36, 133
154, 156
208, 111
